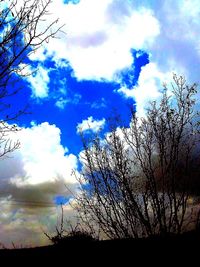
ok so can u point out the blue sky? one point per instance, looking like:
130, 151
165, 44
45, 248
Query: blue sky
71, 101
113, 54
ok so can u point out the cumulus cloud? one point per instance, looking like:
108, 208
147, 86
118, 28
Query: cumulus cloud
31, 178
39, 170
148, 88
43, 157
100, 35
38, 81
90, 125
175, 49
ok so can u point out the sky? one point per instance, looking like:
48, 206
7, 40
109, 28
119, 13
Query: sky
110, 55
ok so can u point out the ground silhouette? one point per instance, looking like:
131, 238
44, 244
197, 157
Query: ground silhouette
157, 250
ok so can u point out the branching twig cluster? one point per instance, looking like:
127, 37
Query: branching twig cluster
136, 181
23, 30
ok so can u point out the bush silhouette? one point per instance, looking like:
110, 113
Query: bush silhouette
73, 236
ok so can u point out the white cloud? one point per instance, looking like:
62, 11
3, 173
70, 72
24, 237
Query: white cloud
176, 49
61, 103
30, 179
148, 88
43, 157
90, 125
40, 169
100, 35
177, 46
38, 81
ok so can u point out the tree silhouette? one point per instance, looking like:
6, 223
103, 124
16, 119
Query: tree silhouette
137, 181
22, 32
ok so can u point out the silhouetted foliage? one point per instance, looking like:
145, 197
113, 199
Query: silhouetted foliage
140, 181
72, 234
22, 32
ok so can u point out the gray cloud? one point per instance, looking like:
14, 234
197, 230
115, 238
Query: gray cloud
30, 179
86, 40
178, 45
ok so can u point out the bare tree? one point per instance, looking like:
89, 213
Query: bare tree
136, 181
22, 32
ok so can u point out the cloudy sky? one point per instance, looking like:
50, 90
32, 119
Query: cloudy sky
112, 54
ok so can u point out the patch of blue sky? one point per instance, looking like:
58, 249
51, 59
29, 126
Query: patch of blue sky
145, 3
10, 82
100, 179
90, 95
60, 200
129, 76
80, 100
17, 42
71, 1
13, 102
